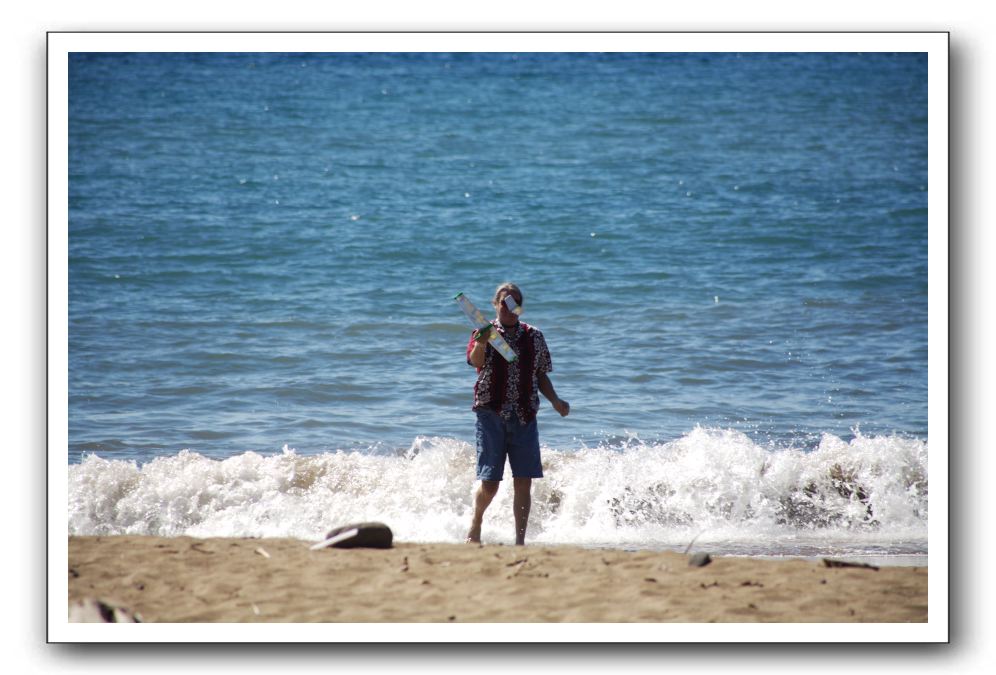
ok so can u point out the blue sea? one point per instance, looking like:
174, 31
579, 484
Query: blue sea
727, 254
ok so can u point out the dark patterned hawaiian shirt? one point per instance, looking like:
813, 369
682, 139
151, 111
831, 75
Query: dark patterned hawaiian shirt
507, 387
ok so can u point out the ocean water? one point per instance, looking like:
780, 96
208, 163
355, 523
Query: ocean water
727, 254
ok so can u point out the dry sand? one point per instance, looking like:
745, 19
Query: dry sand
280, 580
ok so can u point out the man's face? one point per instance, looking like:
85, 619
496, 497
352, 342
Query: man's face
506, 317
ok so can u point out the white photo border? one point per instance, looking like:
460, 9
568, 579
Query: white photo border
934, 44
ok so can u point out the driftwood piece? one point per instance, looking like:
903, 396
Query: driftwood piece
843, 563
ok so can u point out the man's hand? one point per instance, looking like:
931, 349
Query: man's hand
562, 406
478, 353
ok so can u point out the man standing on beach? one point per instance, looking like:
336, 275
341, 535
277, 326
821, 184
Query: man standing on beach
506, 402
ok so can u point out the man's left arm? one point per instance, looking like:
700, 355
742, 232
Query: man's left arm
546, 388
544, 364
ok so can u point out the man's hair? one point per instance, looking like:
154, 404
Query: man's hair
512, 289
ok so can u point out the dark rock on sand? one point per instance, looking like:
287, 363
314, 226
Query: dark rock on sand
699, 560
368, 535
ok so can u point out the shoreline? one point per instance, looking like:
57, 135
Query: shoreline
904, 559
187, 579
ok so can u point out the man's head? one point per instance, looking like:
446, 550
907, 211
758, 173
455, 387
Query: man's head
505, 316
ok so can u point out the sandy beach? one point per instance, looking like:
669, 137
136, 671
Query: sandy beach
185, 579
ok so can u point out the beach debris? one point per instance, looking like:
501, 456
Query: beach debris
650, 579
699, 560
714, 584
689, 547
255, 609
357, 535
92, 610
196, 547
753, 583
843, 563
519, 565
262, 551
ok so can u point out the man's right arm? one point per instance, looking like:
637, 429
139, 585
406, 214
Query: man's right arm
476, 355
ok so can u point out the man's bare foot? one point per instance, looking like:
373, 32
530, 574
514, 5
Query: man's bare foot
474, 535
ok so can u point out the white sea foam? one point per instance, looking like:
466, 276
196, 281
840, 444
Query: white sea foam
718, 485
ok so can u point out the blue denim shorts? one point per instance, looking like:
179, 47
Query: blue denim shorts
498, 438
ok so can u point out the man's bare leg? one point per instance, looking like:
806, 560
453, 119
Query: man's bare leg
485, 493
521, 504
